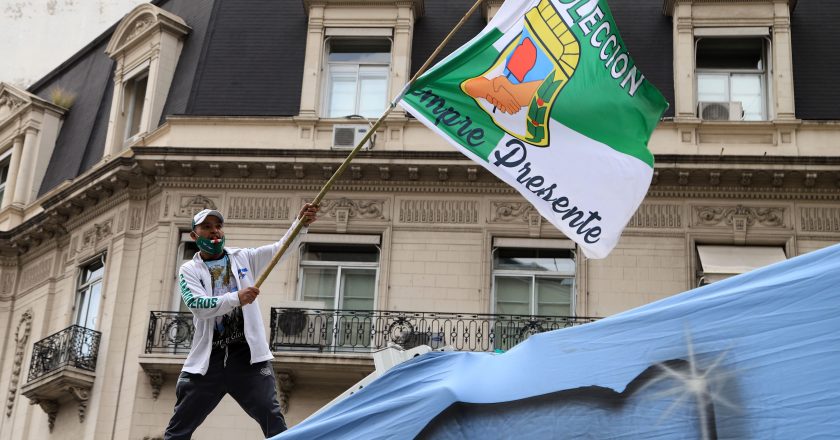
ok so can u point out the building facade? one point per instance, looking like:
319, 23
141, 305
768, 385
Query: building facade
249, 106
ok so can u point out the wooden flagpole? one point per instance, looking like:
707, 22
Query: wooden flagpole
317, 200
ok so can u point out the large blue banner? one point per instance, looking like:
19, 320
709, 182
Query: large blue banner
756, 356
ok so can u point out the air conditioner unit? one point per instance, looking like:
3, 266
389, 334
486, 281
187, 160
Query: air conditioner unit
348, 136
720, 111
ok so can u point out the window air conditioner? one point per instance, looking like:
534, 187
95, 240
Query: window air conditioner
348, 136
720, 111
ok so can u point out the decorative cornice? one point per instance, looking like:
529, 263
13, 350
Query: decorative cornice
668, 6
418, 6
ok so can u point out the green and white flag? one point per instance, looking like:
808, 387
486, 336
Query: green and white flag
548, 99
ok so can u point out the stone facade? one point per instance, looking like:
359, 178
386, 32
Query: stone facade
435, 213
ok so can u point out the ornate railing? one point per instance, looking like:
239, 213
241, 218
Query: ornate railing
74, 346
170, 332
348, 330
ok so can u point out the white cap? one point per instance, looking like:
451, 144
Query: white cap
199, 218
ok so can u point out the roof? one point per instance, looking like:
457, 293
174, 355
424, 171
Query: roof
245, 58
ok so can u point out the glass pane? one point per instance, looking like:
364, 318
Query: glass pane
513, 295
730, 53
373, 91
712, 87
362, 51
92, 320
341, 252
93, 272
342, 96
553, 260
357, 289
554, 296
319, 285
4, 172
138, 96
747, 89
82, 302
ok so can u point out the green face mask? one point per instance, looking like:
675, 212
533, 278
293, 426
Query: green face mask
212, 247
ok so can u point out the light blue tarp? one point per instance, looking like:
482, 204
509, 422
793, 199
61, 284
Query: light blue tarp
756, 356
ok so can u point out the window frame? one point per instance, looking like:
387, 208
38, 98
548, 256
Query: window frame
339, 266
177, 303
384, 69
86, 287
5, 164
129, 107
764, 74
534, 275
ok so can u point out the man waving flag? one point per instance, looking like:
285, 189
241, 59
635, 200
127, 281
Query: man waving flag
548, 99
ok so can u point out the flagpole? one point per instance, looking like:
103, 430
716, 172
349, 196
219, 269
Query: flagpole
317, 200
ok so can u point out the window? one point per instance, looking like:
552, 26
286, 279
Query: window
357, 78
186, 250
135, 96
145, 47
89, 293
4, 175
342, 276
733, 70
716, 263
534, 281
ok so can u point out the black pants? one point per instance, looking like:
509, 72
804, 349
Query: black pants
252, 386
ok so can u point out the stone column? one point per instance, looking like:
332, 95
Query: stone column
309, 95
23, 185
14, 166
782, 62
685, 105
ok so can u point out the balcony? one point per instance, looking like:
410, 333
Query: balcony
334, 347
349, 331
63, 368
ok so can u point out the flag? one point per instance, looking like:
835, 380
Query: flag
547, 98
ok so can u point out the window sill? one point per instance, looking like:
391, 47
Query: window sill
766, 133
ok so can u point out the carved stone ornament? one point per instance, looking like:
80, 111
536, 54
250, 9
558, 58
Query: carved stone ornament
258, 208
720, 215
361, 209
10, 101
820, 219
190, 205
656, 216
439, 211
81, 395
21, 336
95, 234
50, 407
285, 384
510, 212
138, 27
156, 379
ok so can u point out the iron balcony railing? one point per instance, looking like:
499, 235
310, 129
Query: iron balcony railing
170, 332
74, 346
359, 331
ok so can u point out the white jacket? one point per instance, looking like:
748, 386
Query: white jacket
197, 293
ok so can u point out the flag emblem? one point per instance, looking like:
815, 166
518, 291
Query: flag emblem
519, 89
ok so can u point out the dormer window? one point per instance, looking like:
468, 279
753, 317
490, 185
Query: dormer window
357, 55
358, 77
732, 72
146, 46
